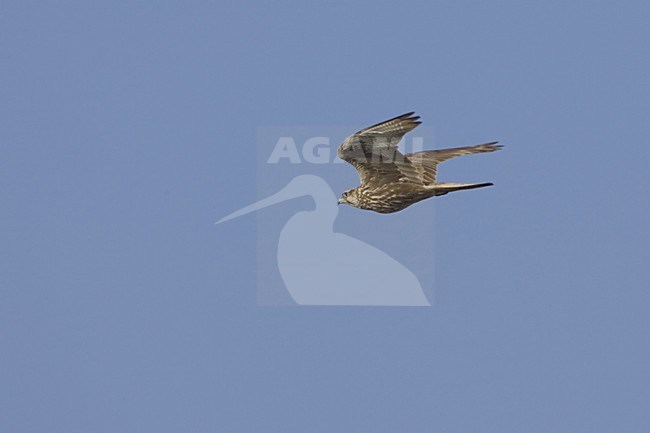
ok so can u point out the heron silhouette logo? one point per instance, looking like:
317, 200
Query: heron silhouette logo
318, 265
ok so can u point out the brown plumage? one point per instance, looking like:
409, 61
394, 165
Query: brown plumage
391, 181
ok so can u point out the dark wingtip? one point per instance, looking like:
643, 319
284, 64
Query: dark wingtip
408, 116
403, 117
491, 147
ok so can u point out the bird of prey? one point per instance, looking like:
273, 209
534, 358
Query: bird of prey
392, 181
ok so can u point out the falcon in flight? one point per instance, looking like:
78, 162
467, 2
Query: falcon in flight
391, 181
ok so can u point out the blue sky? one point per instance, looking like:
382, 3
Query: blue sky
127, 129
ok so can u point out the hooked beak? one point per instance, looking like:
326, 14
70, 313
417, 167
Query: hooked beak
341, 201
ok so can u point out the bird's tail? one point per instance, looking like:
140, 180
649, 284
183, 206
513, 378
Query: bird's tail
444, 188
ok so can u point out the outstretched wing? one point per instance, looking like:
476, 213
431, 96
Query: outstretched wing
373, 151
426, 163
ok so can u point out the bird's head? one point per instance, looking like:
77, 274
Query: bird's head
349, 197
